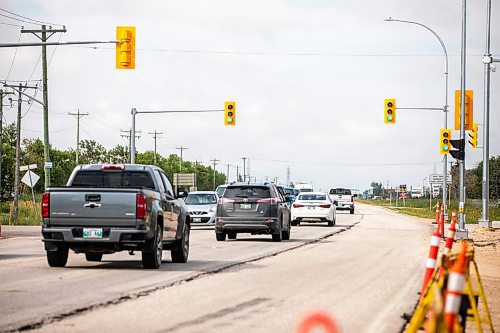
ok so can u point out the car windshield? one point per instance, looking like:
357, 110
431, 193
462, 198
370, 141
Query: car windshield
343, 191
247, 192
99, 178
319, 197
306, 190
220, 190
201, 199
289, 191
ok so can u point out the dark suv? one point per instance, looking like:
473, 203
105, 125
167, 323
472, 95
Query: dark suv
252, 208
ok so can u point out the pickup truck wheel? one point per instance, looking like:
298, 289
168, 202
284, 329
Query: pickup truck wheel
152, 253
352, 210
58, 258
93, 256
231, 235
180, 251
220, 236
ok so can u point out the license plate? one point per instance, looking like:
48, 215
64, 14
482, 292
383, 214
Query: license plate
311, 207
196, 219
245, 206
92, 232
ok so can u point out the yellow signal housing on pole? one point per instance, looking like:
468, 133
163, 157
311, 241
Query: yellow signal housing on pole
390, 111
473, 136
230, 113
125, 49
444, 141
469, 109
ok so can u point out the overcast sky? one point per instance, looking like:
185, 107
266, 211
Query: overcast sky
309, 79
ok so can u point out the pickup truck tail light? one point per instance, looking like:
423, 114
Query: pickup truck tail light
113, 167
45, 205
140, 208
225, 200
297, 205
352, 198
325, 206
272, 201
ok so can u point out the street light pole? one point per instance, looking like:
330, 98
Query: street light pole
445, 109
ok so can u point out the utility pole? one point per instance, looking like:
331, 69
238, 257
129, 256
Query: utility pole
244, 169
215, 163
196, 173
15, 204
78, 116
129, 137
2, 94
227, 174
46, 144
155, 136
237, 173
181, 148
288, 176
462, 232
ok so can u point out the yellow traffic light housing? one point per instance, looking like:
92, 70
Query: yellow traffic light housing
444, 141
390, 111
473, 136
230, 113
469, 109
125, 49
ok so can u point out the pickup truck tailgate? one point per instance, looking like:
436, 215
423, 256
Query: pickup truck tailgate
93, 207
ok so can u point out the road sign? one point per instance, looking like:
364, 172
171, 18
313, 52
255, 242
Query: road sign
402, 188
28, 167
438, 178
47, 165
30, 178
184, 179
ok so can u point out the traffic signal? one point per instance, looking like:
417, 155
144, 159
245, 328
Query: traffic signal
444, 141
125, 49
469, 109
390, 111
230, 113
473, 136
459, 152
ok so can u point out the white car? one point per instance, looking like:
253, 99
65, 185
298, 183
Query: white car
313, 206
202, 206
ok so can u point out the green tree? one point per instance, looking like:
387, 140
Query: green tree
92, 152
377, 188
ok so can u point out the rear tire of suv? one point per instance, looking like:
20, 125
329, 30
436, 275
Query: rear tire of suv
352, 210
277, 236
91, 256
285, 235
58, 258
220, 236
180, 250
153, 250
231, 235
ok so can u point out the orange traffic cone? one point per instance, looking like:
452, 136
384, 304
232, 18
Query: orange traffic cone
441, 220
456, 283
430, 264
318, 320
438, 209
451, 234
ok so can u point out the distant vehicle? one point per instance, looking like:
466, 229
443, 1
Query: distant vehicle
417, 192
287, 192
106, 208
304, 187
313, 205
344, 198
220, 190
201, 207
252, 208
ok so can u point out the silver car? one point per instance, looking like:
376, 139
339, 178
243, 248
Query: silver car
202, 206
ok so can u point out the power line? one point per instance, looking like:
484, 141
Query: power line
27, 18
12, 25
345, 164
13, 59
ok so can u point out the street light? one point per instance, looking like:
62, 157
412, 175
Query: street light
445, 109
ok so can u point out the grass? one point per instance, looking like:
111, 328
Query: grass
420, 208
26, 215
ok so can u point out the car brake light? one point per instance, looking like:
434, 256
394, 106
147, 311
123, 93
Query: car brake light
140, 208
225, 200
113, 167
272, 201
325, 206
297, 205
45, 204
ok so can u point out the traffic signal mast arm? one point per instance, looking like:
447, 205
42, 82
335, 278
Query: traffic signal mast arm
61, 43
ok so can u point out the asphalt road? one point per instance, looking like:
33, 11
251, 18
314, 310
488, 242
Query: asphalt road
366, 272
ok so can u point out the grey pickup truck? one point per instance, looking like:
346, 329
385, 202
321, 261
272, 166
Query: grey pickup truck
106, 208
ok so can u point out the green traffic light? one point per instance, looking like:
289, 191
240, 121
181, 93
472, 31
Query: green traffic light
445, 147
229, 120
389, 118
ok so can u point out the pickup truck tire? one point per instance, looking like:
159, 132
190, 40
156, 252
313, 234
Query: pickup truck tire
220, 236
231, 235
153, 250
352, 210
180, 250
90, 256
58, 258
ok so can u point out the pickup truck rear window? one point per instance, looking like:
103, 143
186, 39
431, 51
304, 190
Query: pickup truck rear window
343, 191
98, 178
247, 192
